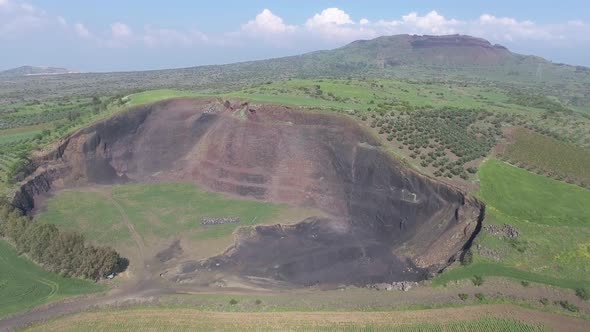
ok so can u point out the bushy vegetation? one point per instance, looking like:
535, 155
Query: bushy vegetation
443, 139
477, 280
536, 101
65, 253
568, 306
583, 293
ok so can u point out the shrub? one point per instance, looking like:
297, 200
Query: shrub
258, 301
525, 283
467, 258
463, 296
544, 301
233, 301
568, 306
477, 280
480, 296
583, 293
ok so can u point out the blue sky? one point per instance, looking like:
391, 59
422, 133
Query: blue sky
113, 35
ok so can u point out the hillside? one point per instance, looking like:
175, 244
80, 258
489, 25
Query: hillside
32, 71
408, 57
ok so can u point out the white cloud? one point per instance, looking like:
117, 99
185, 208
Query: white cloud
121, 30
81, 30
432, 22
327, 28
336, 24
509, 29
17, 17
267, 23
329, 16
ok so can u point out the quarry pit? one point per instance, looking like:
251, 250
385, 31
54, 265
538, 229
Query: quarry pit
386, 222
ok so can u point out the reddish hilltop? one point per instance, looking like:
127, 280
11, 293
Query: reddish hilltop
430, 50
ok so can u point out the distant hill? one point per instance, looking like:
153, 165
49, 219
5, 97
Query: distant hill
32, 70
458, 58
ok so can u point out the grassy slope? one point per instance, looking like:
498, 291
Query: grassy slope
554, 223
533, 198
24, 285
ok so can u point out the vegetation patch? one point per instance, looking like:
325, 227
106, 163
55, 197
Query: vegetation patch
548, 156
24, 285
533, 198
157, 211
65, 253
553, 225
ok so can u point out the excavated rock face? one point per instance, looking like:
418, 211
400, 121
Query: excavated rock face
388, 224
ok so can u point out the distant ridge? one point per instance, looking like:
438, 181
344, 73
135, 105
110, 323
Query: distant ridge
33, 71
459, 58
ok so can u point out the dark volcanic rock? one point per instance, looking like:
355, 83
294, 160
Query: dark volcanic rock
388, 222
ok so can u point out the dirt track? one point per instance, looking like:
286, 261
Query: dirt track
148, 291
183, 318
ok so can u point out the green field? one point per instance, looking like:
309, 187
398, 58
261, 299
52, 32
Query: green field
183, 319
364, 94
157, 212
24, 285
531, 198
553, 219
548, 156
151, 96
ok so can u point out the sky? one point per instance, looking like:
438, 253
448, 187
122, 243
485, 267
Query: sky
127, 35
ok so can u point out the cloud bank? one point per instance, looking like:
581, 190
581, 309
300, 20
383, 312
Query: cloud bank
324, 29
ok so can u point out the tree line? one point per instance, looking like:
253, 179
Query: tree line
65, 253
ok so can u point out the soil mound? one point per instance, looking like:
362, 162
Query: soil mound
389, 223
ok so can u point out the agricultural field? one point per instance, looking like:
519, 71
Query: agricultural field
547, 156
443, 130
552, 220
181, 319
362, 95
24, 285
